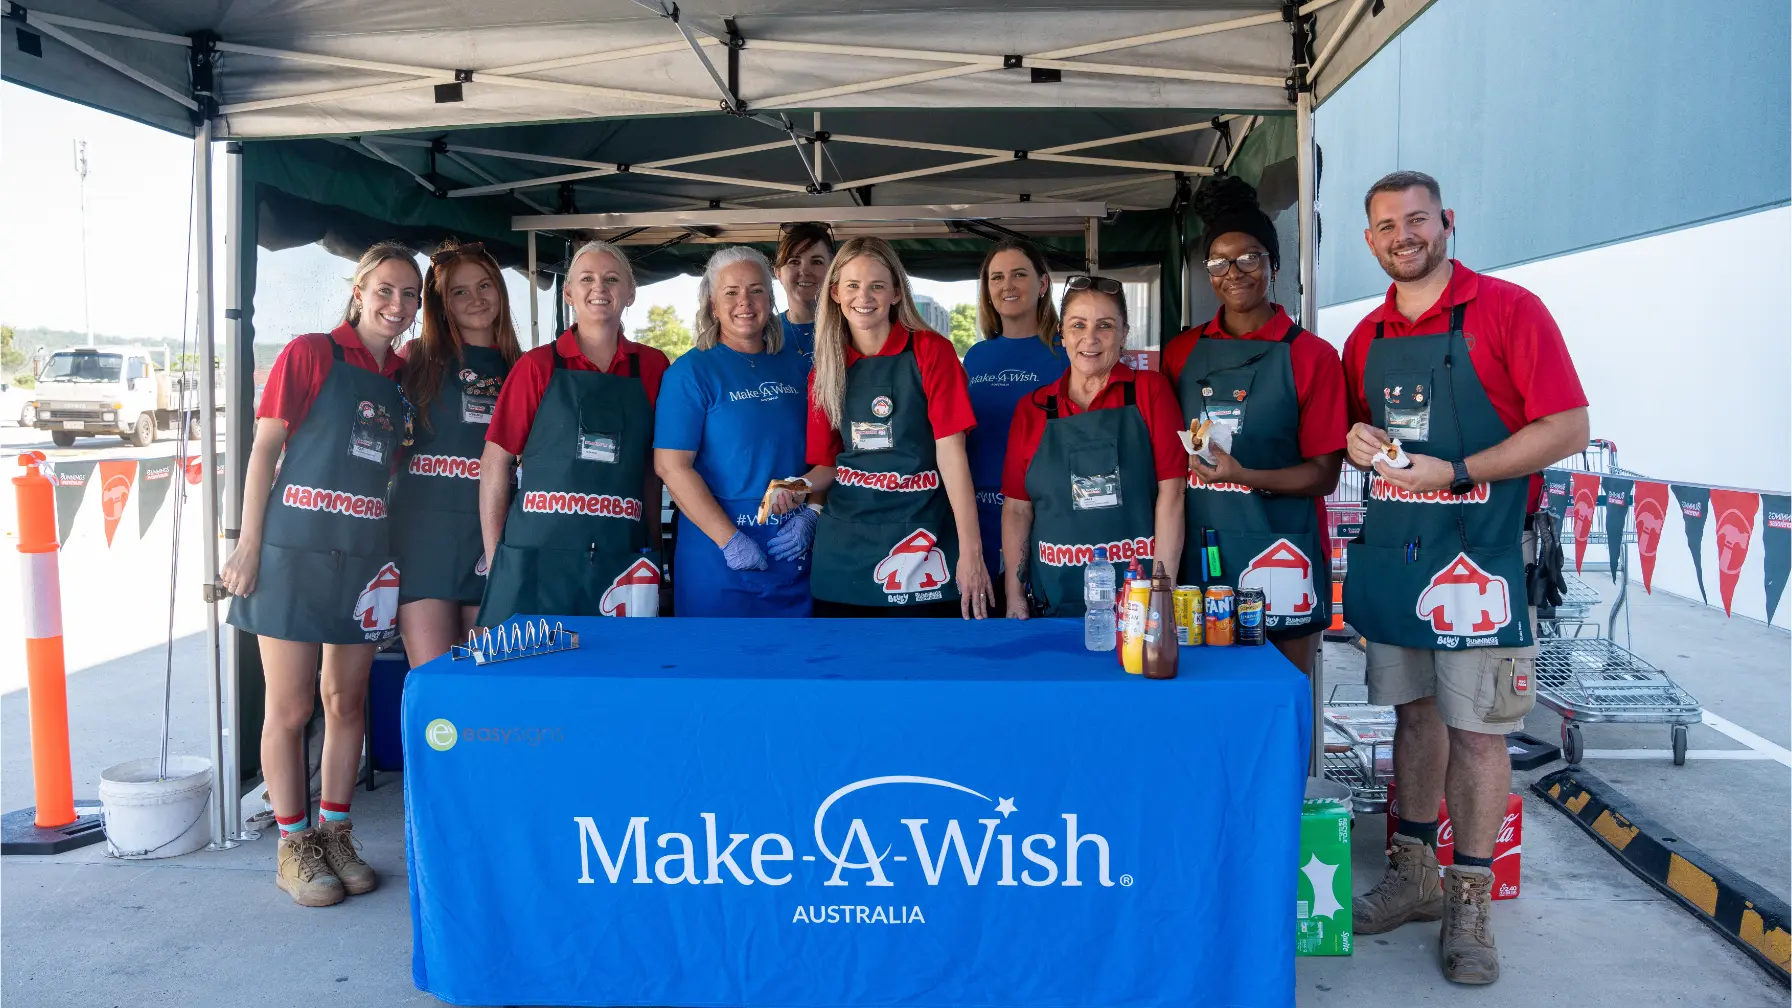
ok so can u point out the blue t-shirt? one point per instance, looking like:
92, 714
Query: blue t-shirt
743, 414
799, 337
1001, 371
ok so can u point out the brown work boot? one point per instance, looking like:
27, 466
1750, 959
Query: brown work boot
1409, 891
1465, 945
339, 846
300, 869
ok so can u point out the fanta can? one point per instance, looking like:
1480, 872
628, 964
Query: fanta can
1219, 616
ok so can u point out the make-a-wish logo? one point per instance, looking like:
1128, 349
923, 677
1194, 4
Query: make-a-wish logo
854, 845
767, 391
1006, 376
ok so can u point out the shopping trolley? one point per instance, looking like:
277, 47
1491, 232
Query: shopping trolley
1359, 750
1590, 678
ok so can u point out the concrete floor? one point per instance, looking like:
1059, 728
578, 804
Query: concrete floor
209, 930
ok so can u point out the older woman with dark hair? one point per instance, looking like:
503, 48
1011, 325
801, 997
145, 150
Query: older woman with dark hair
1093, 460
729, 420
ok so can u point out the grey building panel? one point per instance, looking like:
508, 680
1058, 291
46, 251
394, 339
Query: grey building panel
1555, 127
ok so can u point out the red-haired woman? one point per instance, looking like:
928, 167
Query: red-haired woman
452, 375
313, 564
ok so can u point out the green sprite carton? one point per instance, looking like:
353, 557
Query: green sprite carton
1322, 891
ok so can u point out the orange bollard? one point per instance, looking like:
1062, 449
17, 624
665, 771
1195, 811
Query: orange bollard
46, 677
1337, 605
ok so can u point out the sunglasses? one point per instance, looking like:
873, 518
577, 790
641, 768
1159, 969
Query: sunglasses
1083, 281
447, 255
1250, 262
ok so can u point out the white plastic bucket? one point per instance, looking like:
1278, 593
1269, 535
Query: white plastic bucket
151, 817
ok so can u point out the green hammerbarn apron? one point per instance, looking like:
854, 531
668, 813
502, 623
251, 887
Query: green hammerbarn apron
1273, 542
886, 536
435, 504
575, 540
1093, 482
1434, 570
327, 572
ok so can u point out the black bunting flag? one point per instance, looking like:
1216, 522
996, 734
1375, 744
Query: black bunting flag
1616, 493
154, 477
71, 490
1776, 546
1555, 494
1695, 506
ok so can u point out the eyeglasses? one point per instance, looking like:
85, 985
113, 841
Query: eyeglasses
447, 255
1250, 262
1083, 281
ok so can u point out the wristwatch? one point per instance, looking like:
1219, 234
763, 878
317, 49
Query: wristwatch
1460, 483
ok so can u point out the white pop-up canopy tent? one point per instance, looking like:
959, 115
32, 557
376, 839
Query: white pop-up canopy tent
672, 126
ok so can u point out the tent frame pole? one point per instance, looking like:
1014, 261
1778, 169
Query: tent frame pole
221, 731
534, 297
239, 362
1305, 170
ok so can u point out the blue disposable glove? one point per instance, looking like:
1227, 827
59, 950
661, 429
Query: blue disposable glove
796, 531
742, 553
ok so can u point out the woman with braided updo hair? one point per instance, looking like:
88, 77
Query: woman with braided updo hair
1273, 396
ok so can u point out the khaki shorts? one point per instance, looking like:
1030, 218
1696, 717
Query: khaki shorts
1484, 690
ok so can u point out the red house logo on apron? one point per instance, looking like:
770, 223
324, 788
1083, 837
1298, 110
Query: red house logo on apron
377, 608
1285, 575
635, 592
914, 564
1464, 599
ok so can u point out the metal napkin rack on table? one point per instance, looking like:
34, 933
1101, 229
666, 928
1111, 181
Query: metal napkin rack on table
510, 641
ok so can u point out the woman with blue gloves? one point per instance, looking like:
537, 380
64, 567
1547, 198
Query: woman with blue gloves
730, 419
1020, 352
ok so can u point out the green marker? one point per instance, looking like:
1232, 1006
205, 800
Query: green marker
1213, 553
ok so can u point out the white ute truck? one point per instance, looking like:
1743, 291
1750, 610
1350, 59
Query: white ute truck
115, 390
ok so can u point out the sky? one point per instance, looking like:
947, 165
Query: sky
138, 189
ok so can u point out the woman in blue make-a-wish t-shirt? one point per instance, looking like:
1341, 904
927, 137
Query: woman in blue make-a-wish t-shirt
1020, 351
802, 259
729, 420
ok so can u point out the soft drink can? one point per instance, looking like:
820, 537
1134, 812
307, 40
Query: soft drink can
1219, 616
1250, 616
1190, 614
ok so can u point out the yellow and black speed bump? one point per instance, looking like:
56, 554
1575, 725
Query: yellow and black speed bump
1749, 916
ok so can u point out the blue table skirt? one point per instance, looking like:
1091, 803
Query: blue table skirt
842, 812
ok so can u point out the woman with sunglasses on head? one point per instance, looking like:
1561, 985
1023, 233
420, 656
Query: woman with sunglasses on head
1093, 460
313, 567
580, 536
1273, 395
729, 420
887, 416
1020, 351
804, 252
453, 373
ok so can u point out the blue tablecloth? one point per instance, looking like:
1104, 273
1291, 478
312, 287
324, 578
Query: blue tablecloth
830, 812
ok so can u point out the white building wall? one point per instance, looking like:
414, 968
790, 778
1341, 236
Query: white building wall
1683, 342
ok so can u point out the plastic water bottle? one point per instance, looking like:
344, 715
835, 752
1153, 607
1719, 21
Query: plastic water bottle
1098, 602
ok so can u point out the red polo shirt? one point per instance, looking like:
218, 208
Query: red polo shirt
942, 379
1318, 382
527, 382
1156, 402
299, 372
1514, 343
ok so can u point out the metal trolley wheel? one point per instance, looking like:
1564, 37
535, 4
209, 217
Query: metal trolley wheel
1572, 746
1679, 745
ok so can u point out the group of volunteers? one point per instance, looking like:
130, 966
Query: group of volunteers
837, 460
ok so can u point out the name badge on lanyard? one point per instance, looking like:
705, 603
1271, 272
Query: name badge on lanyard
478, 397
1408, 404
1224, 411
1090, 492
871, 436
370, 433
597, 447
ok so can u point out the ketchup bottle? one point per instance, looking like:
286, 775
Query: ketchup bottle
1161, 649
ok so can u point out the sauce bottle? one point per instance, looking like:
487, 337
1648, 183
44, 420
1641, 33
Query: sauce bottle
1132, 650
1158, 643
1127, 577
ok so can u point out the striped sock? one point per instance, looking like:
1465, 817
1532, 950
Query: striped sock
332, 812
290, 826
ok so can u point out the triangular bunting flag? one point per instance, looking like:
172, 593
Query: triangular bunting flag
1651, 517
1734, 511
154, 477
71, 489
1616, 493
1555, 494
116, 477
1695, 504
1586, 497
1776, 546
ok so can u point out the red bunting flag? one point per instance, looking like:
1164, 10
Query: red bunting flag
1586, 497
1651, 517
1734, 511
116, 477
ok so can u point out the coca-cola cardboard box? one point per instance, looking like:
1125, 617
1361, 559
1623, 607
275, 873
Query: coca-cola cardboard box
1507, 849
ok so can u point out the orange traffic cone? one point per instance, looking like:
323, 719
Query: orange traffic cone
1337, 605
